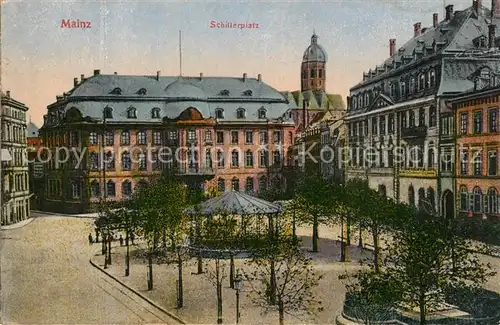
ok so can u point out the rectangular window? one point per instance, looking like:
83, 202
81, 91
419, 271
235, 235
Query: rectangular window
264, 138
93, 138
157, 137
264, 158
248, 137
411, 115
391, 124
478, 122
447, 125
464, 123
493, 120
234, 137
141, 137
464, 163
172, 135
374, 126
477, 163
365, 128
432, 116
421, 117
191, 136
276, 137
208, 136
220, 159
249, 159
492, 163
155, 160
382, 125
220, 137
110, 138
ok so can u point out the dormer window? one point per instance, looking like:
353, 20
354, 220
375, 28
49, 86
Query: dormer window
219, 113
240, 113
155, 113
108, 112
262, 113
421, 81
367, 99
116, 91
224, 92
131, 112
432, 78
142, 91
247, 93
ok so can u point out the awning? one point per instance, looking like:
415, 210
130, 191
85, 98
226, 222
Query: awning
5, 155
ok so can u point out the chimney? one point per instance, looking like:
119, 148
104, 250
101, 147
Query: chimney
97, 72
449, 12
158, 75
495, 8
492, 32
477, 5
435, 19
75, 82
259, 77
417, 29
392, 47
244, 77
201, 75
7, 94
82, 77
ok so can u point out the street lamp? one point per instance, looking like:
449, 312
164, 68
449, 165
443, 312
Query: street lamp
238, 285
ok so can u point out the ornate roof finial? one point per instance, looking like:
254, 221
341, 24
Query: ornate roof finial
314, 37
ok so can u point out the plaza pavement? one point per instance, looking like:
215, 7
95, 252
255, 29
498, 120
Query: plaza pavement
46, 278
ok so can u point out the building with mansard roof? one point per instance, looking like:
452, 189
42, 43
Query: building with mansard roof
400, 121
224, 133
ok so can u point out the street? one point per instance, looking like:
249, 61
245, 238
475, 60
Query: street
46, 278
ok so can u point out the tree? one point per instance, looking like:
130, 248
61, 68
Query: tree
421, 261
295, 279
311, 200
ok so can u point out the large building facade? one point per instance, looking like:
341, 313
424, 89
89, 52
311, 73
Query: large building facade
477, 146
122, 131
15, 205
400, 121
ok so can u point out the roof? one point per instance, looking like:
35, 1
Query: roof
317, 100
315, 52
32, 130
172, 95
236, 203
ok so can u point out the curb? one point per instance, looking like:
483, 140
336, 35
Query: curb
65, 214
149, 301
19, 224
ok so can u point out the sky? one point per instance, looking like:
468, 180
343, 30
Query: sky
40, 59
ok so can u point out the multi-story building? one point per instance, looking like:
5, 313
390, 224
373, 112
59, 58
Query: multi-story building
15, 205
400, 122
36, 168
477, 146
222, 132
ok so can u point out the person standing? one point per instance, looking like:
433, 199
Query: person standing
121, 240
132, 237
90, 239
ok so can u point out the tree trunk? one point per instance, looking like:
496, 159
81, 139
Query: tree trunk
272, 283
421, 302
348, 239
180, 299
376, 249
150, 271
360, 241
315, 234
342, 244
281, 311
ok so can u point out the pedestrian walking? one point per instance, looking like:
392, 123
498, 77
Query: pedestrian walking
121, 240
132, 237
90, 239
96, 235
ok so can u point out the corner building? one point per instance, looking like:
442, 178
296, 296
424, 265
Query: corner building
400, 121
224, 133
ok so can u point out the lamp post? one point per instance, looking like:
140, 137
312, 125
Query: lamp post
238, 285
127, 257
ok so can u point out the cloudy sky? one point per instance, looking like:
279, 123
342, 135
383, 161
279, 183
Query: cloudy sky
40, 59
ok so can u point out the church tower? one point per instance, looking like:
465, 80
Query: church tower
313, 69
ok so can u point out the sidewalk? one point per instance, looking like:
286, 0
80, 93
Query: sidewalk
18, 224
84, 215
200, 306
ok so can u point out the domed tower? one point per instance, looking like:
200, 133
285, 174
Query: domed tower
313, 70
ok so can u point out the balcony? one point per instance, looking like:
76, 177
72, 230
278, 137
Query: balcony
194, 169
414, 132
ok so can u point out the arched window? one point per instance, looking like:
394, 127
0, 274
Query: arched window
403, 88
155, 112
264, 158
240, 113
249, 158
421, 197
431, 197
249, 185
235, 158
491, 201
125, 138
208, 157
411, 196
478, 199
224, 92
142, 164
247, 93
108, 112
235, 184
262, 183
95, 188
94, 161
221, 185
382, 190
110, 188
142, 91
262, 113
354, 102
432, 78
131, 112
126, 188
116, 91
421, 82
412, 85
367, 99
219, 113
126, 161
421, 117
430, 155
464, 206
